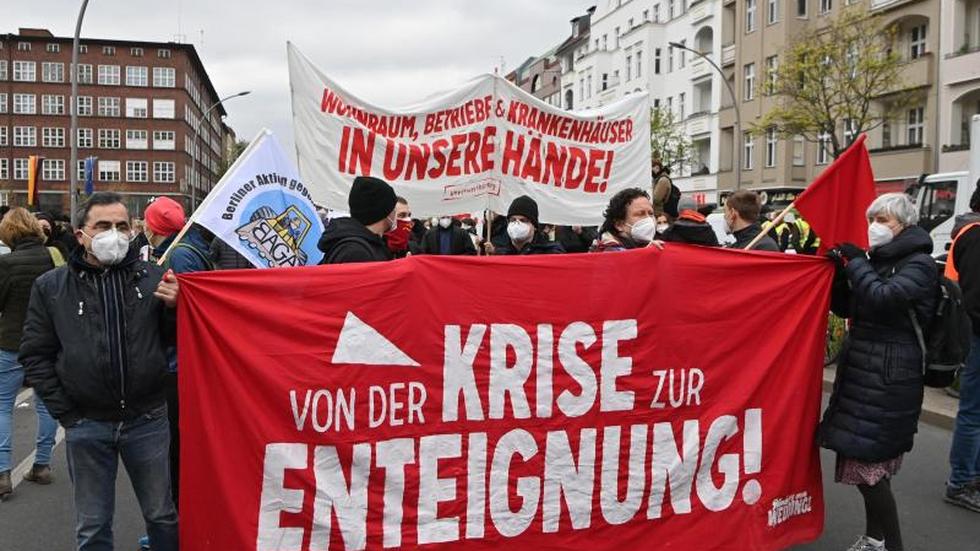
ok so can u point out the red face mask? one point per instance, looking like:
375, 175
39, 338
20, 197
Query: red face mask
398, 238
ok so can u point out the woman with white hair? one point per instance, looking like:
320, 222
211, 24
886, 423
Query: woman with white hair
874, 408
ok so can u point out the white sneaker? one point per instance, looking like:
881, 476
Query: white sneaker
864, 543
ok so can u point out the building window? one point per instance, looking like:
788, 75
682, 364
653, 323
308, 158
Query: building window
826, 6
84, 73
85, 106
52, 72
85, 138
163, 172
3, 136
670, 10
25, 104
670, 59
616, 38
109, 138
4, 168
886, 134
823, 148
771, 147
136, 171
82, 48
605, 42
53, 170
108, 107
656, 13
136, 52
108, 50
656, 61
680, 105
109, 75
53, 48
25, 136
798, 151
3, 103
801, 6
588, 86
53, 137
772, 68
749, 15
916, 120
23, 46
646, 15
137, 76
164, 140
163, 53
605, 81
136, 108
749, 75
917, 42
748, 151
52, 105
20, 169
108, 171
639, 64
136, 139
629, 68
772, 11
850, 131
25, 71
3, 69
164, 77
682, 54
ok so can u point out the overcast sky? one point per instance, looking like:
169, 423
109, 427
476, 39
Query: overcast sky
389, 53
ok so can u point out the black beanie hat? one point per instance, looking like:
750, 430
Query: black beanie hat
370, 200
526, 207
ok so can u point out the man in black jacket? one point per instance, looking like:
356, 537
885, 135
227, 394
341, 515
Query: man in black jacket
94, 349
691, 226
359, 238
742, 217
447, 237
523, 231
963, 486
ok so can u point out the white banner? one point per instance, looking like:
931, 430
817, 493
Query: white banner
262, 208
473, 148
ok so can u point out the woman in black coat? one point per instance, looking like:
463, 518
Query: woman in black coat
874, 408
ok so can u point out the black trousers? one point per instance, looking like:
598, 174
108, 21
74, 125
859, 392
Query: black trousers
172, 414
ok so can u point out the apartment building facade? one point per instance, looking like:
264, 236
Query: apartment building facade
139, 105
959, 81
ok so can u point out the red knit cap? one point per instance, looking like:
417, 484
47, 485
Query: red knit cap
164, 216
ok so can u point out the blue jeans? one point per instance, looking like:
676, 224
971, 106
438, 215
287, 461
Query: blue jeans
11, 379
964, 456
94, 449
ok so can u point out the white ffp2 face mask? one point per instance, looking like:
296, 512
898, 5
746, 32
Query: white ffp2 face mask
519, 231
879, 234
110, 247
445, 221
644, 230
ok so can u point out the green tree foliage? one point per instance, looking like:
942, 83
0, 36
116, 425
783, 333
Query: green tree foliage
668, 142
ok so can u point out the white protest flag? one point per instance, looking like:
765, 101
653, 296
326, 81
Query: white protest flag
476, 147
262, 209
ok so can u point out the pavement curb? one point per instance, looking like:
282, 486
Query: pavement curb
938, 408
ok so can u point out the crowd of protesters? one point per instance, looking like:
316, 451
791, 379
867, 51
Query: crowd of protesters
88, 320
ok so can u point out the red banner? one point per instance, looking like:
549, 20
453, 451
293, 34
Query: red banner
602, 401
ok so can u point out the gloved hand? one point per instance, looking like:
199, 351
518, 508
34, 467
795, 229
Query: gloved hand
850, 251
836, 257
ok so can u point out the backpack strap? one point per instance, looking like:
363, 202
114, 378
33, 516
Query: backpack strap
919, 336
56, 257
204, 258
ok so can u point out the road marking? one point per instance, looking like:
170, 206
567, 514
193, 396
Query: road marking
24, 396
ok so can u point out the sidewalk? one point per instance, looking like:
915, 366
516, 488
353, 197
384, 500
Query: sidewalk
938, 408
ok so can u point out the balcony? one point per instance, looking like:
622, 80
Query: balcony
727, 55
918, 73
961, 67
699, 13
699, 68
888, 4
900, 161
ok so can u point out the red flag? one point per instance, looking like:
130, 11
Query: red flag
835, 203
488, 421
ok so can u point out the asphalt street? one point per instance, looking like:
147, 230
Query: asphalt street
40, 518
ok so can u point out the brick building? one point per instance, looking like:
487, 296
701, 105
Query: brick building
138, 105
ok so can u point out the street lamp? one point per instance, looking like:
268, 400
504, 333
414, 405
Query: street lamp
738, 116
73, 181
197, 135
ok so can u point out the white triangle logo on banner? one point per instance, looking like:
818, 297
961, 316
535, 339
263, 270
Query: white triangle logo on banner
359, 343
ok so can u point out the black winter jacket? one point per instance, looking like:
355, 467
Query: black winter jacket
576, 242
460, 242
346, 240
874, 409
539, 245
688, 231
745, 236
18, 270
65, 349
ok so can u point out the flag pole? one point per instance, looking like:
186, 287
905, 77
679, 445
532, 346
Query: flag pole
775, 222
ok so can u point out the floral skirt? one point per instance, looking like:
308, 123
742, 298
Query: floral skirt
854, 472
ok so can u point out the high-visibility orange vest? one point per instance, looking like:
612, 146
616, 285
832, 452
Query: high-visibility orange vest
951, 272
